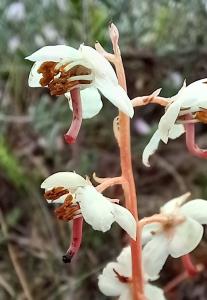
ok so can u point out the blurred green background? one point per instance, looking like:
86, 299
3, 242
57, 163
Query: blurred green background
162, 42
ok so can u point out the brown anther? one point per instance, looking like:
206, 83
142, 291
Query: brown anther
122, 278
202, 116
67, 210
57, 80
48, 72
55, 193
68, 200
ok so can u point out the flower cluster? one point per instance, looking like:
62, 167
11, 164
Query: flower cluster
84, 75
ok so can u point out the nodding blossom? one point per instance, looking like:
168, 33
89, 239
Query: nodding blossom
190, 101
80, 200
116, 280
178, 234
81, 75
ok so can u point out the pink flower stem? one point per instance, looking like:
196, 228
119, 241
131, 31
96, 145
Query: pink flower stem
190, 140
71, 135
109, 182
188, 265
175, 282
129, 185
75, 241
144, 100
157, 218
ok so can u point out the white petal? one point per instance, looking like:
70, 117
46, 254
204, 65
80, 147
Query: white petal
155, 254
106, 80
148, 232
101, 67
126, 293
95, 208
125, 262
202, 104
34, 76
185, 238
151, 147
153, 144
196, 209
55, 53
125, 255
176, 131
153, 293
115, 94
125, 219
175, 203
168, 120
195, 94
108, 282
68, 180
91, 102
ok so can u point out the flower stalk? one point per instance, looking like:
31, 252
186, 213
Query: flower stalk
127, 174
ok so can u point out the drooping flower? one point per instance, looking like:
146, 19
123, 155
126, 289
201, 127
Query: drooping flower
179, 234
190, 100
116, 280
64, 69
79, 199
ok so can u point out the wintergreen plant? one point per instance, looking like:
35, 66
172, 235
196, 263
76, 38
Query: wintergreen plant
81, 75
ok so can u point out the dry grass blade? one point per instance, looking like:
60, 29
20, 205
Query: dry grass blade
14, 258
6, 286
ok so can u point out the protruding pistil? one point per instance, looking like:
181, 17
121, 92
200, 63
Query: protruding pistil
75, 241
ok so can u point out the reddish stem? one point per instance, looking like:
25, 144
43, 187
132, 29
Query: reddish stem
188, 265
129, 187
175, 282
75, 241
190, 140
71, 135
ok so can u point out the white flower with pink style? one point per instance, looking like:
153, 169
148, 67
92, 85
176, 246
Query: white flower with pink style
81, 75
80, 200
180, 232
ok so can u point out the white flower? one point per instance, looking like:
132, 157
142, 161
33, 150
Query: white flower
189, 100
84, 68
116, 280
79, 197
178, 235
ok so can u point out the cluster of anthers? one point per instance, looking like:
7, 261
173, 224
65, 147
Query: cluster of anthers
70, 209
61, 77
